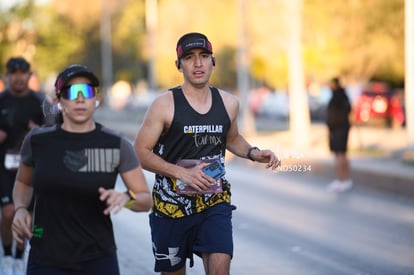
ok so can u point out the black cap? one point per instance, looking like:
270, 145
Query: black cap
193, 40
72, 71
17, 63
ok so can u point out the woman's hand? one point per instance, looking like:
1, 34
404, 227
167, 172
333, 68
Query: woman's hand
115, 200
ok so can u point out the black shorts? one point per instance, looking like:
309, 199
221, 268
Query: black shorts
175, 240
338, 139
106, 265
7, 178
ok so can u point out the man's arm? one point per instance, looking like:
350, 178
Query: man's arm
3, 133
156, 121
237, 144
22, 195
3, 136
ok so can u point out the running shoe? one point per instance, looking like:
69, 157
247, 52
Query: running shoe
339, 186
19, 267
7, 264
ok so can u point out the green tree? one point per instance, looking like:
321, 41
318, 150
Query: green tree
358, 39
17, 32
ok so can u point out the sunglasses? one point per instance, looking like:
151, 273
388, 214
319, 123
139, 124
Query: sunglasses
72, 92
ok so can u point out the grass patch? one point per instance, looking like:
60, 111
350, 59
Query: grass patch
408, 157
370, 151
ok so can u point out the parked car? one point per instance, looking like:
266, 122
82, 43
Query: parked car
378, 101
276, 105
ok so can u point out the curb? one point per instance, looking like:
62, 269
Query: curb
372, 177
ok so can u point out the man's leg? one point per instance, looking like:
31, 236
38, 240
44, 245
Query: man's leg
343, 169
7, 213
181, 271
216, 263
6, 190
7, 262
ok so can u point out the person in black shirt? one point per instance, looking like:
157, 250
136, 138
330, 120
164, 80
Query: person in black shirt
338, 124
183, 130
21, 110
70, 169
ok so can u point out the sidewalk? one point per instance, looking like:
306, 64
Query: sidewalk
376, 154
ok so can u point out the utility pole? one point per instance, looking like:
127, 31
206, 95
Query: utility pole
106, 51
298, 103
151, 20
247, 127
409, 72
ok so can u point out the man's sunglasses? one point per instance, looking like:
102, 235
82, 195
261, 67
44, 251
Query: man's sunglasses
72, 92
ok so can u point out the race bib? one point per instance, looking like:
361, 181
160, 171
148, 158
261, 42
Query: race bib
12, 160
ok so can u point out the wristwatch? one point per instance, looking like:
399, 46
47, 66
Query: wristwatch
250, 152
132, 199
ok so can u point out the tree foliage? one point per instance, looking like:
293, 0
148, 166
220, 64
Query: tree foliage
353, 38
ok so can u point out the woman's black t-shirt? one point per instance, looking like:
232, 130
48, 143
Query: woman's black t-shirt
69, 226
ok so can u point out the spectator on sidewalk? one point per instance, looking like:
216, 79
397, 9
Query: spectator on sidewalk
339, 125
183, 129
70, 170
21, 109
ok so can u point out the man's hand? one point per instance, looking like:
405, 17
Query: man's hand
22, 225
197, 179
32, 125
266, 156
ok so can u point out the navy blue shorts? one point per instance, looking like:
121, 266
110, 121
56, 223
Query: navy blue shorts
175, 240
106, 265
7, 178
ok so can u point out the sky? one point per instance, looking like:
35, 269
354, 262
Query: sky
10, 3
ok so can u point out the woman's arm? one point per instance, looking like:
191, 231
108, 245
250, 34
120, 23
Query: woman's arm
22, 196
137, 185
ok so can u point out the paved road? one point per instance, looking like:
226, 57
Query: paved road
285, 223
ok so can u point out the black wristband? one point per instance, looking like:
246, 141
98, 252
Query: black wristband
250, 151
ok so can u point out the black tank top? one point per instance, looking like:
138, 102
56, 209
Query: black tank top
191, 136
